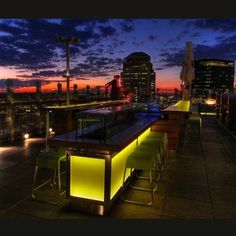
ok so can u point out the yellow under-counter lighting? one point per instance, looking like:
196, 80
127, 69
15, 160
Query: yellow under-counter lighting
87, 174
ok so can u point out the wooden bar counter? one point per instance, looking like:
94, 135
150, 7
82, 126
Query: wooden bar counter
173, 124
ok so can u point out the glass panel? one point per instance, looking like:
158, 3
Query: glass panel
118, 167
87, 177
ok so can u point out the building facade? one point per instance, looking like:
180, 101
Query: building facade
212, 76
138, 77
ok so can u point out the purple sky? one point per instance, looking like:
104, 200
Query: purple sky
28, 48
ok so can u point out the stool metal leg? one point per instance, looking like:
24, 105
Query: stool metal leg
52, 180
152, 190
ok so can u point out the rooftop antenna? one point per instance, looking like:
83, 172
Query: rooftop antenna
67, 41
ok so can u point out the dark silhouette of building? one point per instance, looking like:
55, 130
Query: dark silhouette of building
97, 90
212, 76
75, 92
38, 90
87, 90
138, 77
59, 90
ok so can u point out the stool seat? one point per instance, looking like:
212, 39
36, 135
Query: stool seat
141, 159
160, 141
49, 159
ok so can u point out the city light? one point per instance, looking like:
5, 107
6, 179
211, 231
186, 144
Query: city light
26, 136
210, 101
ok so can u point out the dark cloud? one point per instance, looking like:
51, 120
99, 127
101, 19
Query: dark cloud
195, 34
81, 78
117, 43
224, 51
24, 76
12, 27
159, 68
220, 38
107, 31
225, 39
172, 59
178, 38
48, 81
84, 66
223, 25
31, 43
21, 49
97, 66
138, 44
127, 26
49, 73
177, 21
152, 37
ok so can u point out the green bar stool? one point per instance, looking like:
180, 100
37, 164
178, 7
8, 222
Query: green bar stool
154, 145
141, 159
160, 140
49, 160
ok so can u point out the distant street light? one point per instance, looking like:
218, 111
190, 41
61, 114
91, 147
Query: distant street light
67, 41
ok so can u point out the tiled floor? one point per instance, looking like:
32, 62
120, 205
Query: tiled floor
198, 183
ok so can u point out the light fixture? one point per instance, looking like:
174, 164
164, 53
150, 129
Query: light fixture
26, 136
50, 130
210, 101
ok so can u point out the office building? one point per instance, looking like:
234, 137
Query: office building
138, 77
212, 76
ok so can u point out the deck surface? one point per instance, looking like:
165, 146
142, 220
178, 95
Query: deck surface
198, 183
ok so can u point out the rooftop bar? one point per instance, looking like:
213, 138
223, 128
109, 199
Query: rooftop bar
98, 146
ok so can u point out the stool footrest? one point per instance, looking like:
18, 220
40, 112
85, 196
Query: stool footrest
137, 202
143, 189
48, 202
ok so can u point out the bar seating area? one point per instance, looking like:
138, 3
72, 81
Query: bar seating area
159, 140
98, 143
149, 156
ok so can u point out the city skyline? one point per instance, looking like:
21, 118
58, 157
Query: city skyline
29, 50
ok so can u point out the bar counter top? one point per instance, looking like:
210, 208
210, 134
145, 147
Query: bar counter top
114, 143
180, 106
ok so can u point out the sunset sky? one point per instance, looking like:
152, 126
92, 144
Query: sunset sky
29, 51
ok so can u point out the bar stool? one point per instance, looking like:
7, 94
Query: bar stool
193, 126
145, 160
49, 160
160, 138
150, 144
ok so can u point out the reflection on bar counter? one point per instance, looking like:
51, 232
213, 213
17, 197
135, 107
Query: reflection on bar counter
98, 141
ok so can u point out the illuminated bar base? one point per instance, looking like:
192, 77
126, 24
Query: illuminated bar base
96, 182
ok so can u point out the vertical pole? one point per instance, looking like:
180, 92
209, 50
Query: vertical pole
67, 74
67, 41
37, 114
228, 101
10, 117
47, 130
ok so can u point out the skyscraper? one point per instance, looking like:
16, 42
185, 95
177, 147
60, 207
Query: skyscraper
138, 77
212, 76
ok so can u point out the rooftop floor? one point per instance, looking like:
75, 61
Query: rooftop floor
198, 182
